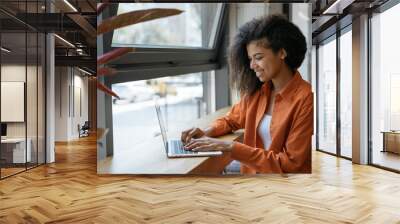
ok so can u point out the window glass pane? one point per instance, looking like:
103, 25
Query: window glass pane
13, 84
327, 97
134, 116
346, 94
23, 85
385, 84
194, 27
31, 98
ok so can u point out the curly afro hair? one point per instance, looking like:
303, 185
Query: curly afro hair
275, 32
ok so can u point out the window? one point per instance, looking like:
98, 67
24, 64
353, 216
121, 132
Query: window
195, 27
327, 96
183, 55
134, 116
346, 94
385, 88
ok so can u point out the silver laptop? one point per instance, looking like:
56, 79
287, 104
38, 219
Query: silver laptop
174, 147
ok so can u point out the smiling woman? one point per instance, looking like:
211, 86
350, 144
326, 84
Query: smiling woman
276, 108
267, 43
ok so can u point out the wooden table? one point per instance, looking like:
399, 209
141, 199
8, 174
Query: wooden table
391, 141
150, 157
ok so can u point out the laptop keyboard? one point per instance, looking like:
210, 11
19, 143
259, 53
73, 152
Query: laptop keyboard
177, 148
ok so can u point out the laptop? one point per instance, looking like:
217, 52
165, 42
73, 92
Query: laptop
174, 147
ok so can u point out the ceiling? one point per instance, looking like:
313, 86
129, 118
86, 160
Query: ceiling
73, 20
332, 15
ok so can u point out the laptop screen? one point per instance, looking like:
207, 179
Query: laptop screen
161, 122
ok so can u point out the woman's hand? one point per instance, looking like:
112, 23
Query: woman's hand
187, 135
209, 144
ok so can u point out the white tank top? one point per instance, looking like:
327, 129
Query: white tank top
263, 130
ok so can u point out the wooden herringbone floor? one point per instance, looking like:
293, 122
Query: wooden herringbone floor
69, 191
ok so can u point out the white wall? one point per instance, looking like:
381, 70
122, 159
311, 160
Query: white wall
16, 73
80, 114
61, 103
33, 127
71, 102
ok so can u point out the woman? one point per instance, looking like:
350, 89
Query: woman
276, 106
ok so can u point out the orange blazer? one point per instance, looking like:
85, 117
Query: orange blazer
291, 129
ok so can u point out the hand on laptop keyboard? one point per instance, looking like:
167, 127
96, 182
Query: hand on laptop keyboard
189, 134
209, 144
178, 148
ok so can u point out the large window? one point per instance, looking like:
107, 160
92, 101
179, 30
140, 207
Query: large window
385, 88
134, 116
195, 27
327, 96
346, 94
328, 109
178, 69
